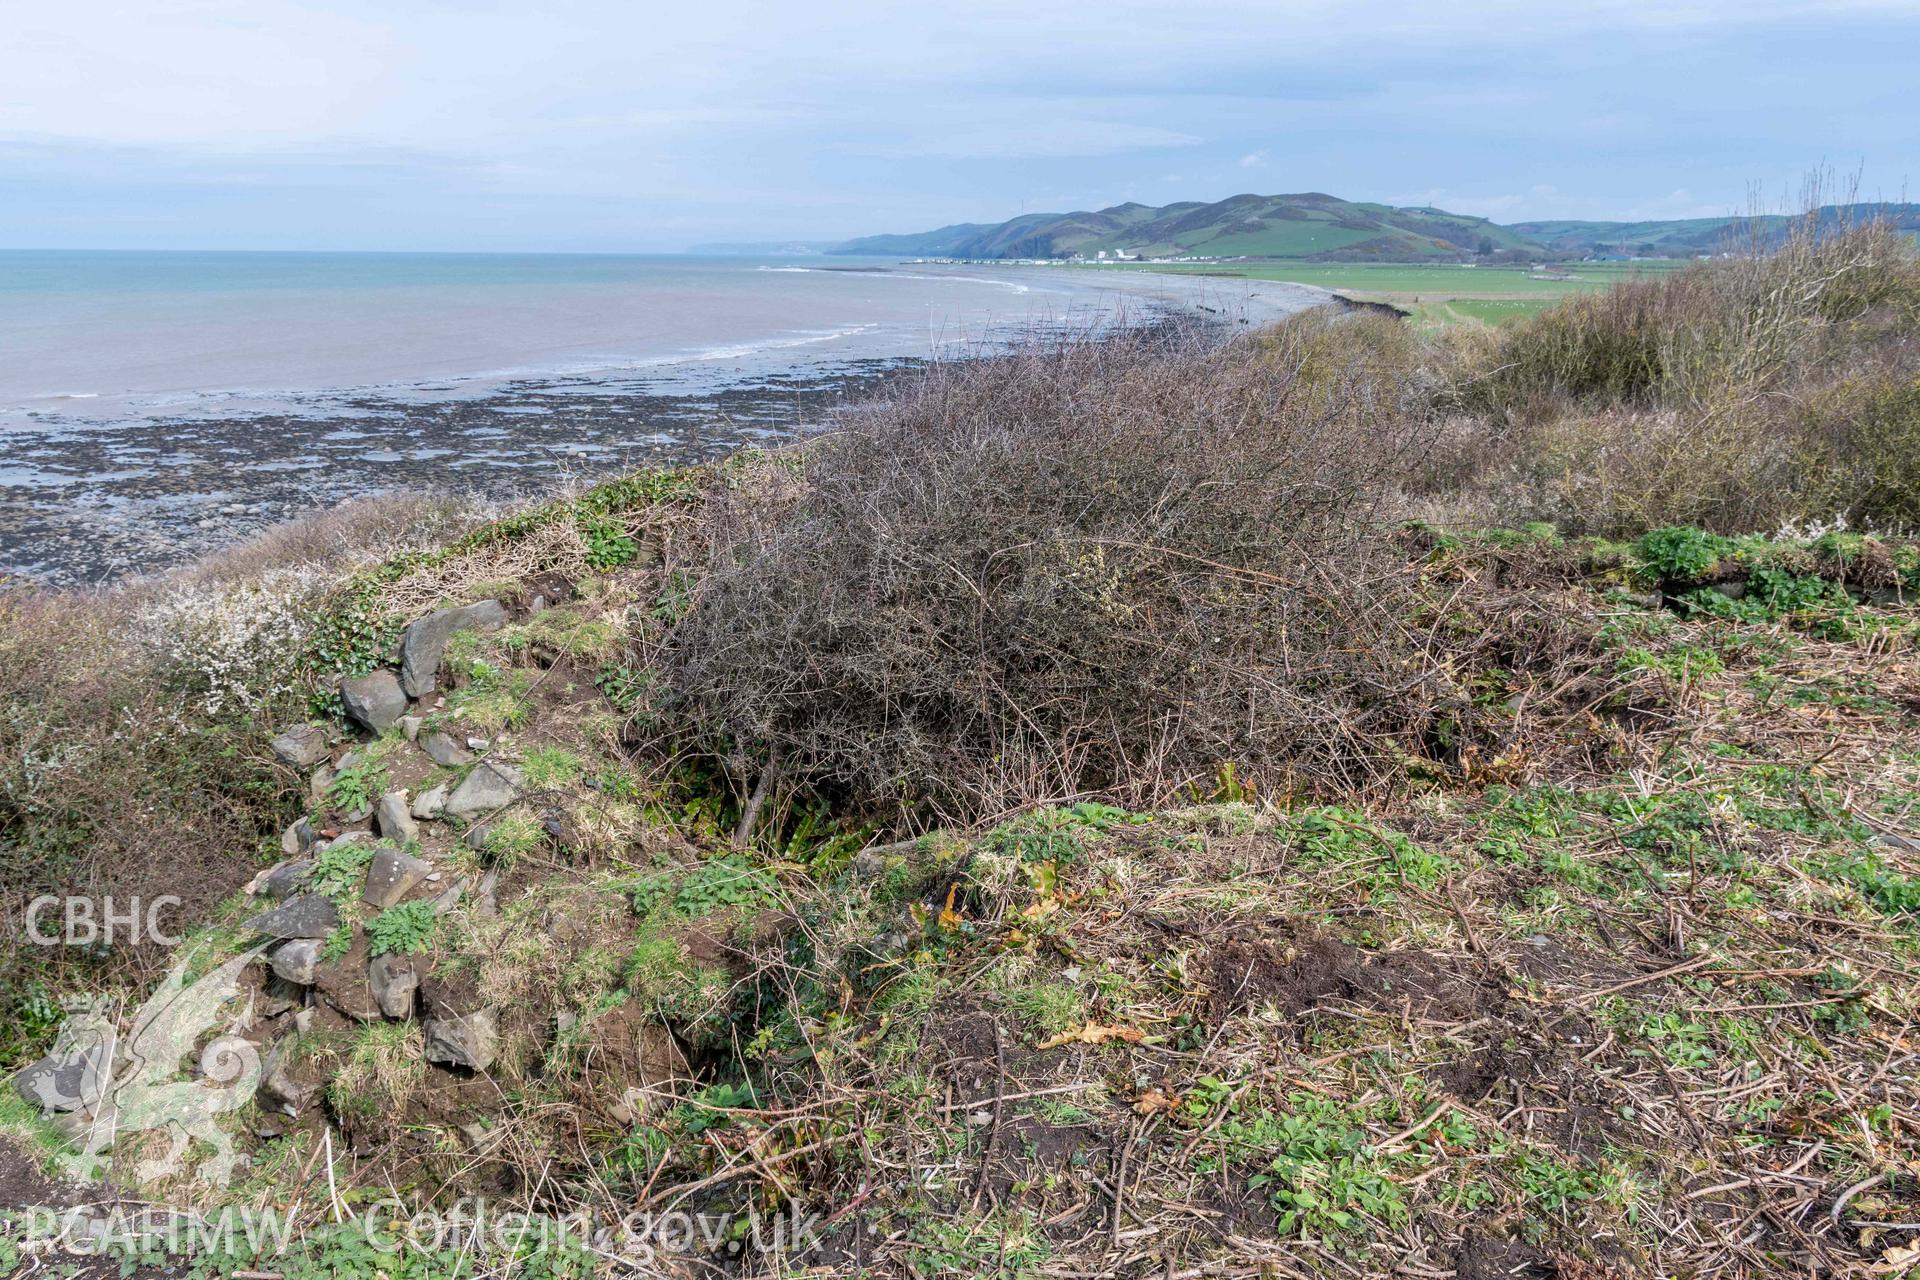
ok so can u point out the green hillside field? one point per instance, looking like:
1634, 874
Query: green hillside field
1436, 294
1310, 225
1317, 227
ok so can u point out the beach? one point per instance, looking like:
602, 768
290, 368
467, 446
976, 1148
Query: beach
157, 406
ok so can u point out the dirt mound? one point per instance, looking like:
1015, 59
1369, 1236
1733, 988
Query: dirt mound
1294, 968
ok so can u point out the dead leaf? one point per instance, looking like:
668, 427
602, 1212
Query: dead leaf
1094, 1033
1898, 1260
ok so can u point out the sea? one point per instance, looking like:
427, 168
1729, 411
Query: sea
156, 405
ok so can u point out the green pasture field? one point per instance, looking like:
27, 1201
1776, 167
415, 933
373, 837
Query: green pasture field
1436, 294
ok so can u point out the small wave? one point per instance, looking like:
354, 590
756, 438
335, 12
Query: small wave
1014, 285
807, 339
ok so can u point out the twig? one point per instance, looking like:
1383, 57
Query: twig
1473, 941
765, 1163
333, 1188
1120, 1185
1669, 972
999, 1107
750, 817
1853, 1191
1078, 1087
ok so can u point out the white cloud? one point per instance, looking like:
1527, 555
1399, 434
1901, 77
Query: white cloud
1254, 160
443, 73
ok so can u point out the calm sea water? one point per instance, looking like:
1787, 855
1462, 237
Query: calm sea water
154, 406
91, 336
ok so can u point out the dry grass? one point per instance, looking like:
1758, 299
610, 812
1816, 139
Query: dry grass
1748, 393
338, 541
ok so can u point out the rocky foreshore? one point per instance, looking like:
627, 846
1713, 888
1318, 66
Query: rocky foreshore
87, 502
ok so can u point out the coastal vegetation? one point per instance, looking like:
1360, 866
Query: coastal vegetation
1313, 802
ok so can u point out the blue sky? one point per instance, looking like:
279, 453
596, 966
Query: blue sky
615, 125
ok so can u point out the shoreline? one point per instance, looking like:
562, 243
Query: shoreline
89, 507
86, 502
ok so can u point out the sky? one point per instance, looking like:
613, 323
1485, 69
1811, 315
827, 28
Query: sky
642, 126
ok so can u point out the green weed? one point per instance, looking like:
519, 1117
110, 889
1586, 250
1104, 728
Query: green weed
720, 884
1331, 835
358, 786
1321, 1172
406, 929
339, 871
1887, 887
1682, 554
609, 545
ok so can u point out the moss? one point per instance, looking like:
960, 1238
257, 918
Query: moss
21, 1121
463, 648
899, 881
502, 589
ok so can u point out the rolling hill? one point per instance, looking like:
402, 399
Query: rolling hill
1688, 237
1309, 226
1315, 227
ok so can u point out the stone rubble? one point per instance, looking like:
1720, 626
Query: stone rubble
321, 975
424, 642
